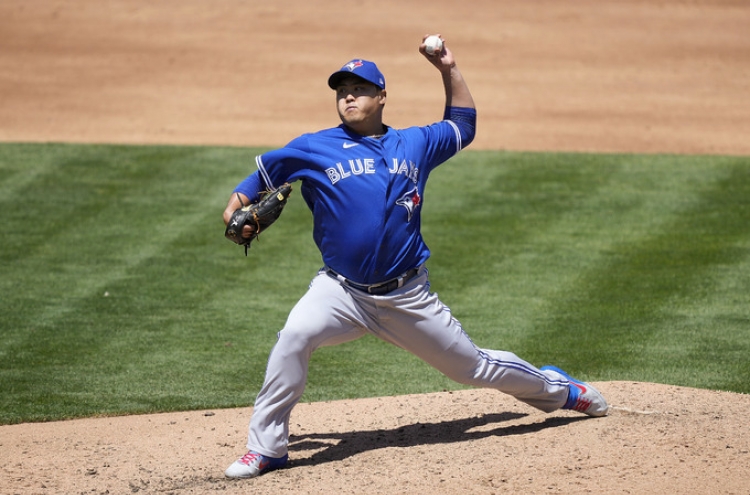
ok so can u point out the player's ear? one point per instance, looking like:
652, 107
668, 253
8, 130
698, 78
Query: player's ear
382, 97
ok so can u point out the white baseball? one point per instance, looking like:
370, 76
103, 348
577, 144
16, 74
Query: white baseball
433, 44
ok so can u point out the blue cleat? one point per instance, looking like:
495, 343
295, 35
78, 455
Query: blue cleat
582, 397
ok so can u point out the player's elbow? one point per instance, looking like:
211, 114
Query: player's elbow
465, 120
467, 130
468, 137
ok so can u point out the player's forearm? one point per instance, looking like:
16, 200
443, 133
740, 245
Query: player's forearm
457, 92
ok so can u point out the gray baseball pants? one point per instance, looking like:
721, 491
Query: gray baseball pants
411, 318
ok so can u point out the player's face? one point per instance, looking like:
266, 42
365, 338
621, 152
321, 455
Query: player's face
360, 105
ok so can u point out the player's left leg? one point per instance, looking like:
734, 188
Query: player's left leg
421, 324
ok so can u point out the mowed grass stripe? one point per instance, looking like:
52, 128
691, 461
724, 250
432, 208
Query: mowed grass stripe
712, 329
551, 217
619, 317
121, 211
497, 269
98, 213
534, 292
523, 245
703, 333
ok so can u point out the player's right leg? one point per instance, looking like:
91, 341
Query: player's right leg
324, 316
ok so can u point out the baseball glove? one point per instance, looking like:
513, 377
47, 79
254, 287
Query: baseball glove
260, 215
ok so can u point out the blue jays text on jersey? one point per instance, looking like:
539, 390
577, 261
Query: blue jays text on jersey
365, 193
367, 166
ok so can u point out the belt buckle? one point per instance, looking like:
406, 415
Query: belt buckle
389, 286
377, 290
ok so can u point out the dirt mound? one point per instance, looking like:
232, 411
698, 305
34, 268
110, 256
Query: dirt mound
656, 439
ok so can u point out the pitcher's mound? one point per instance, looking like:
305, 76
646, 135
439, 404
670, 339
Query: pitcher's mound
657, 439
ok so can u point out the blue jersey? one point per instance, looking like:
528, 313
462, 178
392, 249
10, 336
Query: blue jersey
365, 193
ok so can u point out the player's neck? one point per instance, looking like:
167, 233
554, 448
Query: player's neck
377, 131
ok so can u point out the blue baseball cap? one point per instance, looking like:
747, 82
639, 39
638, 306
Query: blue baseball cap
361, 68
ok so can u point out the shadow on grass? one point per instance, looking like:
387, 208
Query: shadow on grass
339, 446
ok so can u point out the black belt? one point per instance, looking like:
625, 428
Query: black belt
376, 289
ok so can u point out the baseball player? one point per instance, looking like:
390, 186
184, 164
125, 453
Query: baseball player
365, 185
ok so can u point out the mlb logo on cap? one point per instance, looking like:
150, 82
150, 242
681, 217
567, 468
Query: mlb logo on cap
363, 69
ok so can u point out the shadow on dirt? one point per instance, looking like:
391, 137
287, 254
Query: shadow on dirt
338, 446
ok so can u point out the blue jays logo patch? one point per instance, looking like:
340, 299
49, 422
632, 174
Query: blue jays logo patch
353, 65
411, 202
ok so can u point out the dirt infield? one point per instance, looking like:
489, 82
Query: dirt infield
618, 76
635, 75
657, 439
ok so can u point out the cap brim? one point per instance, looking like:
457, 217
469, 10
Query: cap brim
337, 77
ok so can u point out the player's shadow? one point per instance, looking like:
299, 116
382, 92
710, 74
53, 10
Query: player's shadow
338, 446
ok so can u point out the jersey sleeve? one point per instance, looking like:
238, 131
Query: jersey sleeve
282, 165
275, 168
446, 138
250, 187
465, 120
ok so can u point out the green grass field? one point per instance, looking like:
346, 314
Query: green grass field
120, 294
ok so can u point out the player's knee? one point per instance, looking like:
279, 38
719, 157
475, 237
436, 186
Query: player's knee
465, 375
294, 341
